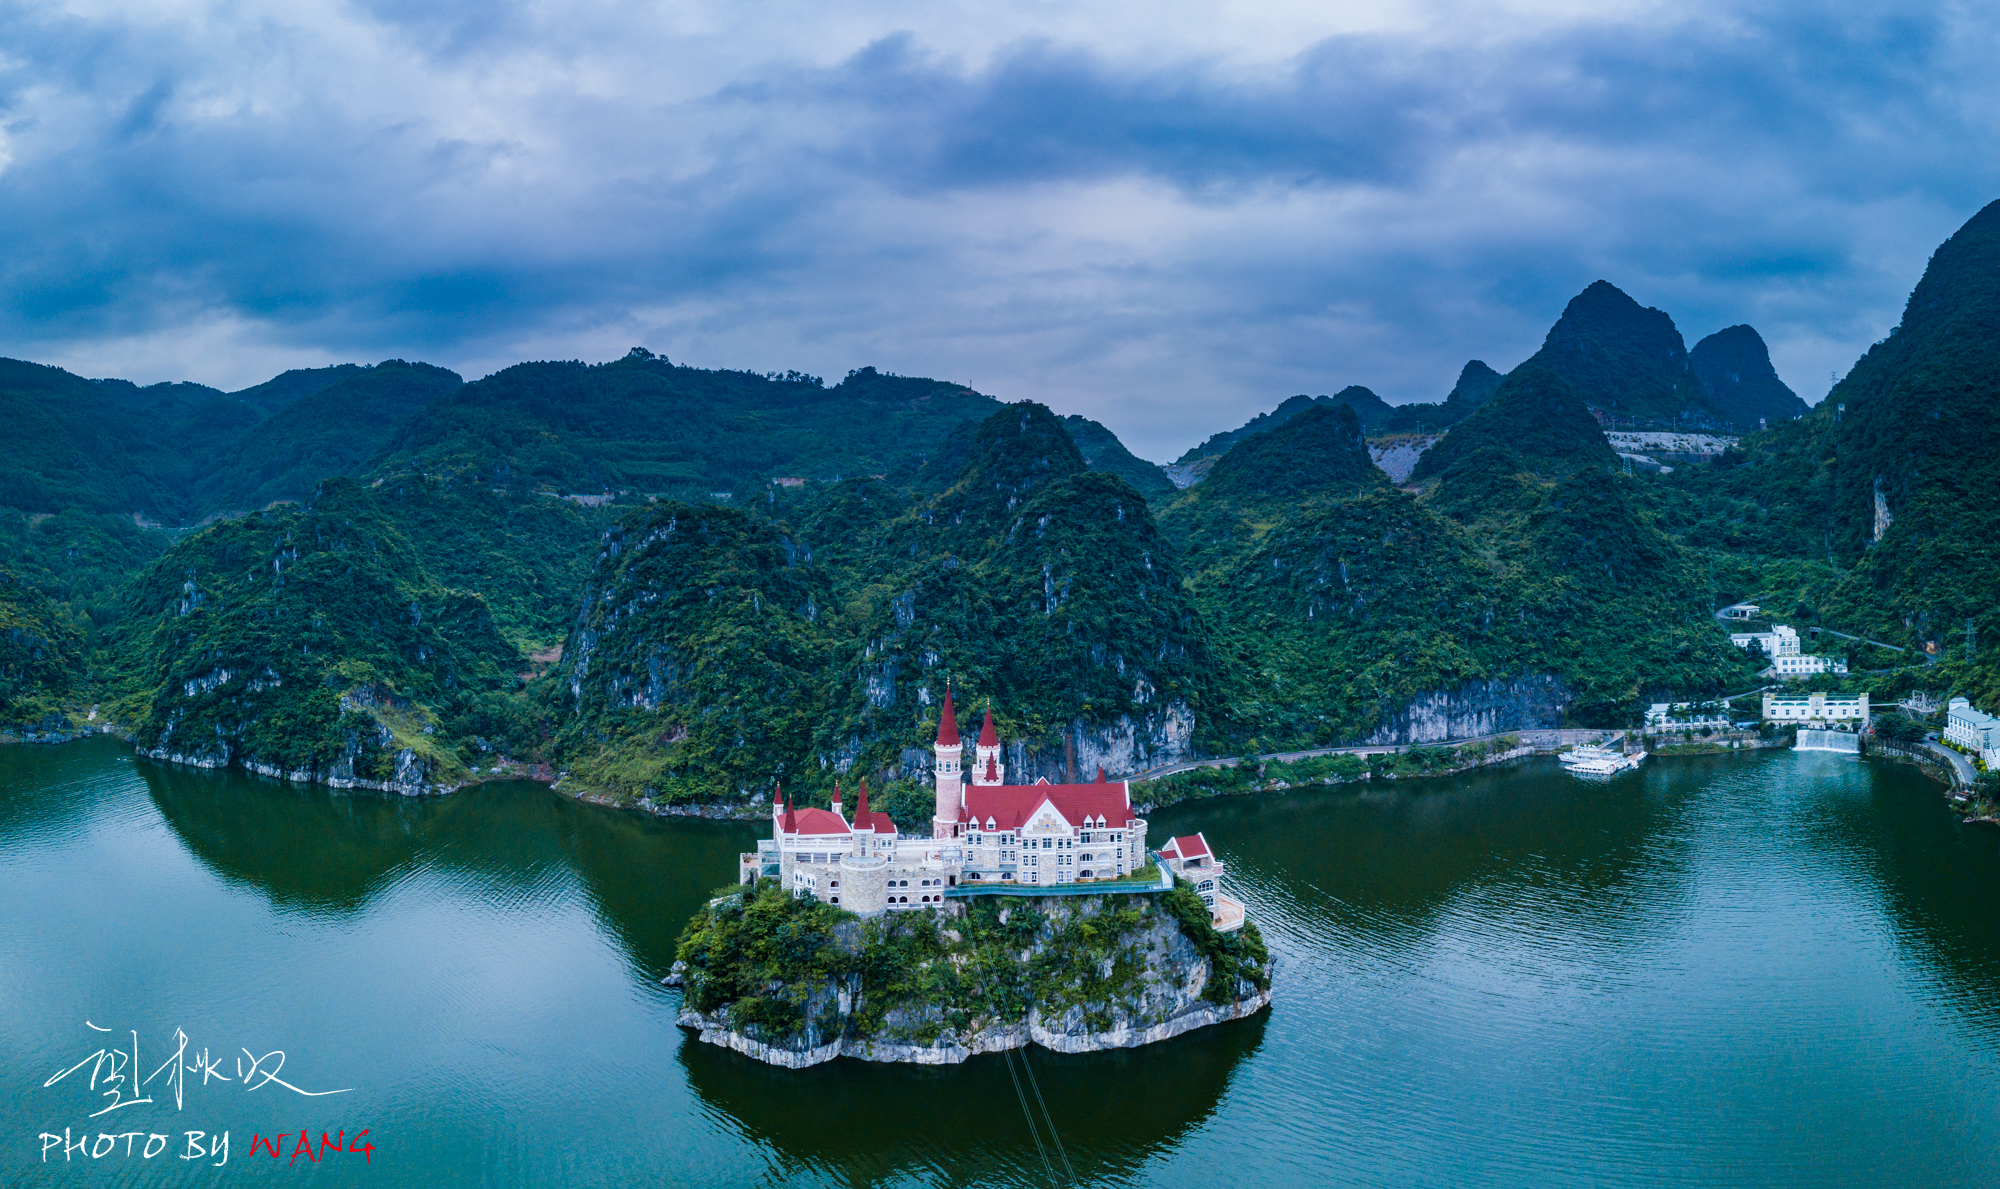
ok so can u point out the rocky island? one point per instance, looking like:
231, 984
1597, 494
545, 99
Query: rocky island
1032, 912
795, 982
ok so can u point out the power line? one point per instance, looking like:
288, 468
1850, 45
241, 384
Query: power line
1029, 1115
1049, 1118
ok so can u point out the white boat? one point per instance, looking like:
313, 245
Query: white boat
1588, 759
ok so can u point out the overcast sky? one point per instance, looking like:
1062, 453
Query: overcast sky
1164, 215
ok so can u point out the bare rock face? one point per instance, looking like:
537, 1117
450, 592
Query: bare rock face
1155, 978
1478, 708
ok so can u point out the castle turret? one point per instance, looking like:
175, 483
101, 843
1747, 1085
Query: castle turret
950, 752
836, 798
986, 765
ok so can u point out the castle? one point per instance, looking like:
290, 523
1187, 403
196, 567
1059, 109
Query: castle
985, 833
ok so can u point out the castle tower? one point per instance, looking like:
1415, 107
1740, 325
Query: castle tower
864, 870
986, 765
950, 782
836, 798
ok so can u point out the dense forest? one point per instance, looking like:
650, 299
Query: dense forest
677, 585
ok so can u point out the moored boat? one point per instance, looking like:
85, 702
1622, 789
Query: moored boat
1588, 759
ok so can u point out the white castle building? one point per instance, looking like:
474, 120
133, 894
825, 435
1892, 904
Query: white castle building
985, 832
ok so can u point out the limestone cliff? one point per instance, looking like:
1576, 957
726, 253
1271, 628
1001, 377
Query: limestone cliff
796, 983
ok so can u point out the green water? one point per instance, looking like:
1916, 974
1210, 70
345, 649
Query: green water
1757, 970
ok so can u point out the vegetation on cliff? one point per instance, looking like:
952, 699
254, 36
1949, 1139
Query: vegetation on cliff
720, 647
40, 657
312, 637
774, 966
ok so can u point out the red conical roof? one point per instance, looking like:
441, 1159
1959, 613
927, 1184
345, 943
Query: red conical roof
836, 795
1100, 774
861, 808
786, 823
992, 773
988, 737
948, 723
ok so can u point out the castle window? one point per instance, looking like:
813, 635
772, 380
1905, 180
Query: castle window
836, 899
1086, 873
833, 884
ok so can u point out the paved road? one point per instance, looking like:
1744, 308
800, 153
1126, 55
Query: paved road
1288, 757
1959, 764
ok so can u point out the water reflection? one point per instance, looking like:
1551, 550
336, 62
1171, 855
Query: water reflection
964, 1124
1744, 970
1394, 862
49, 792
1935, 876
325, 850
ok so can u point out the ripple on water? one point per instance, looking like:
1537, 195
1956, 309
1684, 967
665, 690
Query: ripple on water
1746, 971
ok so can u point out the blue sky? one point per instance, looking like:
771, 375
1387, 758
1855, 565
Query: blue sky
1165, 215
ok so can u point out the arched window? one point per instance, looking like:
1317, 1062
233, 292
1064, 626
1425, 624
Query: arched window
836, 899
1086, 873
833, 883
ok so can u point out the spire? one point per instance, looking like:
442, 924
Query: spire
947, 722
787, 824
992, 773
861, 807
988, 737
1100, 774
836, 798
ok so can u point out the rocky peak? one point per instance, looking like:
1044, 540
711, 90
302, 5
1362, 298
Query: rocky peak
1625, 359
1733, 369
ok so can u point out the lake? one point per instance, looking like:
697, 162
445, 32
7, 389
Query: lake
1758, 969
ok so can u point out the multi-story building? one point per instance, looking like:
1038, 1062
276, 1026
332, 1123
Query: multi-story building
1820, 708
1972, 730
1781, 645
985, 832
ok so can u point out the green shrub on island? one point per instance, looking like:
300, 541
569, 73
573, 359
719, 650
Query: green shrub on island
766, 962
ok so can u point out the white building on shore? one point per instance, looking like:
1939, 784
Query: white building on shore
1816, 709
1973, 730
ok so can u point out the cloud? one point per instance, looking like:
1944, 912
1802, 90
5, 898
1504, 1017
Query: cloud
1150, 215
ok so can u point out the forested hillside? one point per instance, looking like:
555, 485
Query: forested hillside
679, 584
810, 638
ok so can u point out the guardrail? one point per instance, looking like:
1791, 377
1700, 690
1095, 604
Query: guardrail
1098, 887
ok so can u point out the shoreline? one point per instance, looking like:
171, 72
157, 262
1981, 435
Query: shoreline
753, 811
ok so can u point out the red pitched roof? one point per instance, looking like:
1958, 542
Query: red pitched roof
877, 821
865, 821
948, 723
816, 821
1010, 805
1188, 846
988, 737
